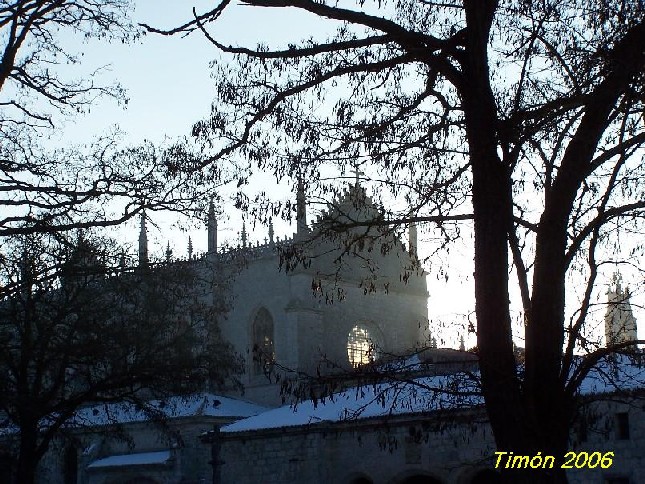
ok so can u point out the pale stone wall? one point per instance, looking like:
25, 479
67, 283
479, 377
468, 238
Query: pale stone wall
603, 435
308, 325
384, 453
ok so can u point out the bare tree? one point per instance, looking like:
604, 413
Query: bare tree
33, 56
103, 184
521, 121
75, 329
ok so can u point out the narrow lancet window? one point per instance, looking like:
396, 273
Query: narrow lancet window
263, 351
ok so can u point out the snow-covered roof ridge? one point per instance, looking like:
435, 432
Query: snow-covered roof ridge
434, 393
616, 372
381, 400
196, 405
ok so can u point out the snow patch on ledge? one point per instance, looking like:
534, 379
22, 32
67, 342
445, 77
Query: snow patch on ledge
145, 458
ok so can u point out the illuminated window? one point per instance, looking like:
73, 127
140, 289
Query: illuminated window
362, 348
263, 352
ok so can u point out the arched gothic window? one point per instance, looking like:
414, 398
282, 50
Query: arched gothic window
263, 352
363, 346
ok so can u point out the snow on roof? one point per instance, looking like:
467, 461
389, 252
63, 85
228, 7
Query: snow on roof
615, 373
202, 404
145, 458
397, 398
459, 390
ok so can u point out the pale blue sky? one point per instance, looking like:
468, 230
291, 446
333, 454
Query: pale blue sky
168, 83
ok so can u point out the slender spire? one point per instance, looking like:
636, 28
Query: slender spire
271, 230
190, 248
80, 238
168, 252
26, 268
358, 196
243, 234
413, 240
301, 208
462, 343
357, 175
212, 229
143, 241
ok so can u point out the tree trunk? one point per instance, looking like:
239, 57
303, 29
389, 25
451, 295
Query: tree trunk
28, 457
518, 426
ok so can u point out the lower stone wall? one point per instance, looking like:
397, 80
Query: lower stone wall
457, 449
451, 448
383, 452
189, 458
617, 427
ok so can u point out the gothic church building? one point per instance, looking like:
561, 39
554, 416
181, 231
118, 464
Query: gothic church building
315, 303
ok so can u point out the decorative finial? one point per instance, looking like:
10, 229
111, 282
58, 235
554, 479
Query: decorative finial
301, 208
413, 240
143, 241
190, 248
243, 234
212, 229
357, 174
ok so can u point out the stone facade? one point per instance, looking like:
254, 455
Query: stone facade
312, 308
373, 450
